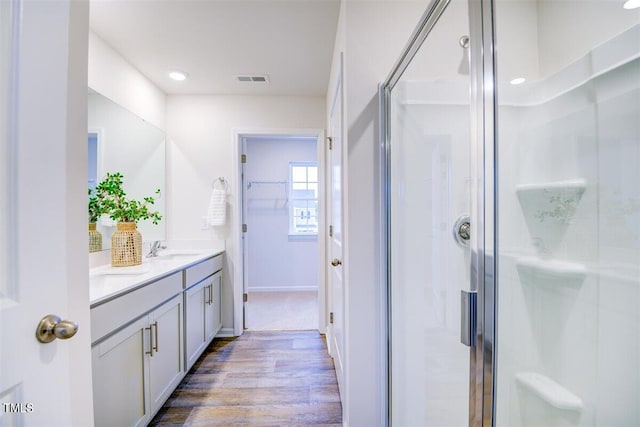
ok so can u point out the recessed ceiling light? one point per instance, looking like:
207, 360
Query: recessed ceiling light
178, 75
631, 4
518, 81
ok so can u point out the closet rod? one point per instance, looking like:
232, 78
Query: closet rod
250, 183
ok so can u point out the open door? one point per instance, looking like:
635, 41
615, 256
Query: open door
335, 329
429, 183
43, 237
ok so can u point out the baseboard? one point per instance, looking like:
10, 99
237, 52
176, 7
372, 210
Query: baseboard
283, 289
225, 333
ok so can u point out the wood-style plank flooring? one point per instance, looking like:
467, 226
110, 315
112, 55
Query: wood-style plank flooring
263, 378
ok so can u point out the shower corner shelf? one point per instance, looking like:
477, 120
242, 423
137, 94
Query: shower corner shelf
568, 273
555, 193
555, 202
570, 186
549, 391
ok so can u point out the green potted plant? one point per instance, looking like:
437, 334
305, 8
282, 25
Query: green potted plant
126, 241
95, 210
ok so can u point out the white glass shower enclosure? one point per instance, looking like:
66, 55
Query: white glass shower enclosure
511, 156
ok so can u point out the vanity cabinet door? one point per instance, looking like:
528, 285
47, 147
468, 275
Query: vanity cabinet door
165, 361
136, 369
119, 372
213, 316
195, 300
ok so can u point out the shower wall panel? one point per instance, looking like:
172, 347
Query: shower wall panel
569, 243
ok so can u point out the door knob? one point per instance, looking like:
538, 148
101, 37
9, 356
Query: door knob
336, 262
51, 327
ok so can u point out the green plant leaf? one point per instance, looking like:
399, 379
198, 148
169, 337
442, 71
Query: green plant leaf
115, 202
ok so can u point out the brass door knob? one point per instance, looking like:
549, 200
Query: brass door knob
336, 262
52, 327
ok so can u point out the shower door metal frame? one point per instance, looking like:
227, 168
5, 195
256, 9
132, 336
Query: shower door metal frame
482, 357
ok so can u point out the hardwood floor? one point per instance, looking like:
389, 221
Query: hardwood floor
263, 378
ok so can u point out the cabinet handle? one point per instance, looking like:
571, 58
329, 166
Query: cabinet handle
204, 294
211, 294
150, 352
156, 335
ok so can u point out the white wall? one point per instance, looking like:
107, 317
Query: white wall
112, 76
545, 36
277, 261
567, 31
371, 35
201, 148
518, 56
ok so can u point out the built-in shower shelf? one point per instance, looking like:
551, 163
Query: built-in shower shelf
547, 270
571, 185
554, 202
549, 391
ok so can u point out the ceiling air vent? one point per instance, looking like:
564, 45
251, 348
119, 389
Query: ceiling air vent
254, 79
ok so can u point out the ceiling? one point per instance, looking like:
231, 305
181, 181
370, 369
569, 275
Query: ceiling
291, 41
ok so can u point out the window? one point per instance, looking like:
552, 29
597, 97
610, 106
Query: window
303, 198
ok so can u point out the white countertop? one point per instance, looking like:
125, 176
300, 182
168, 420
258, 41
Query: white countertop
106, 282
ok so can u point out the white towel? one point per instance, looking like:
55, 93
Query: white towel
217, 213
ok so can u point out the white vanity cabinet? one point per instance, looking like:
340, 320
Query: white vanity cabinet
119, 371
146, 332
203, 317
213, 315
137, 351
136, 369
165, 361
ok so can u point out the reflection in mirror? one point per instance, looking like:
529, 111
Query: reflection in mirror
120, 141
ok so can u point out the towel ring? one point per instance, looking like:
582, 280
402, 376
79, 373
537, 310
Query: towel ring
222, 181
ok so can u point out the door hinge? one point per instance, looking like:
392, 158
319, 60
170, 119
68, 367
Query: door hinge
244, 228
330, 140
245, 297
243, 159
331, 317
331, 231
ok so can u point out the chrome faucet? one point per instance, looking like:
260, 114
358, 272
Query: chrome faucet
155, 247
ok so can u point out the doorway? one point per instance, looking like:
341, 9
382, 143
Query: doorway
281, 195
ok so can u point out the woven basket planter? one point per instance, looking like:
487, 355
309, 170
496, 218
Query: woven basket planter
126, 245
95, 238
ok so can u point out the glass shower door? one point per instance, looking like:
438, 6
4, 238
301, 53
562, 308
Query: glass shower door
429, 193
568, 141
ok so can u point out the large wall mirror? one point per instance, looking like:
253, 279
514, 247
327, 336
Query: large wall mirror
120, 141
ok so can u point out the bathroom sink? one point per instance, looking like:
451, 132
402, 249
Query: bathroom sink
174, 255
134, 270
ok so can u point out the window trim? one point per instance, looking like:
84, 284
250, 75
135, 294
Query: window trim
299, 235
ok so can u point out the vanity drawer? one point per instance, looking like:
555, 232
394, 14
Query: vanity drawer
206, 268
116, 313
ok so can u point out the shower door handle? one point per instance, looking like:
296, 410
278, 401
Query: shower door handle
468, 317
462, 230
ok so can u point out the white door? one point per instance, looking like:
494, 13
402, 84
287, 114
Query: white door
43, 240
334, 246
